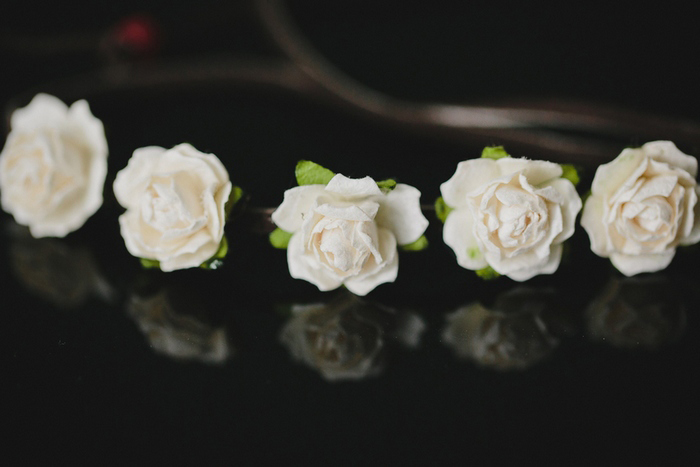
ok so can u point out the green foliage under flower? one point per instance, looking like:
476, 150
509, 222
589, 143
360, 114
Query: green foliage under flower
570, 173
280, 238
487, 273
494, 152
442, 210
310, 173
418, 245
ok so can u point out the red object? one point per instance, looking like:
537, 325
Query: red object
138, 35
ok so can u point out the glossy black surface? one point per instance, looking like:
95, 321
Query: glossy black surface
244, 365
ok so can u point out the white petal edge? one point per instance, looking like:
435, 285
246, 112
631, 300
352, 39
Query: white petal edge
629, 265
666, 151
353, 187
362, 284
298, 201
301, 266
469, 176
400, 212
458, 234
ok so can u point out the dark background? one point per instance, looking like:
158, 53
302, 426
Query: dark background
85, 385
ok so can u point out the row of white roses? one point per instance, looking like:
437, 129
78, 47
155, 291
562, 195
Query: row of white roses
505, 215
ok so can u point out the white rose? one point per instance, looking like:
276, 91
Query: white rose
347, 232
174, 202
510, 214
53, 166
642, 205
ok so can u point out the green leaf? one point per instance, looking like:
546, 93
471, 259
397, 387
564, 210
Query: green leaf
418, 245
149, 263
280, 238
442, 210
570, 173
387, 185
233, 198
487, 273
310, 173
494, 152
215, 261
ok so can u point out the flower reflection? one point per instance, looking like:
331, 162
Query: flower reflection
637, 313
175, 334
346, 338
63, 275
513, 335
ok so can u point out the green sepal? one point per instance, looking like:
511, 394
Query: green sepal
310, 173
387, 185
233, 198
215, 261
487, 273
280, 238
418, 245
570, 173
442, 210
494, 152
149, 263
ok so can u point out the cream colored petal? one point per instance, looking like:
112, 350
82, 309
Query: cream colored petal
362, 284
627, 167
297, 204
592, 223
570, 207
549, 266
629, 265
131, 182
190, 260
536, 172
666, 151
458, 234
353, 187
400, 212
303, 265
213, 162
693, 216
469, 176
43, 111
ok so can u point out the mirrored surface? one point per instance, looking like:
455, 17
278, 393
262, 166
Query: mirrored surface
245, 365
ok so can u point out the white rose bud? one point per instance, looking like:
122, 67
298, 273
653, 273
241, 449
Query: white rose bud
174, 202
510, 214
347, 232
53, 166
642, 206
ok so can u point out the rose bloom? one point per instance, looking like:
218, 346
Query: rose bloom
347, 232
510, 214
174, 202
642, 206
53, 166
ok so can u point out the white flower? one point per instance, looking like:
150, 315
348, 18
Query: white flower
642, 205
347, 232
510, 214
174, 202
53, 166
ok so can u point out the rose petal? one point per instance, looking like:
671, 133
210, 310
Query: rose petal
469, 176
692, 217
666, 151
536, 172
362, 284
133, 180
570, 207
364, 211
458, 235
303, 265
629, 265
549, 266
44, 111
592, 222
298, 202
353, 187
400, 212
610, 177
